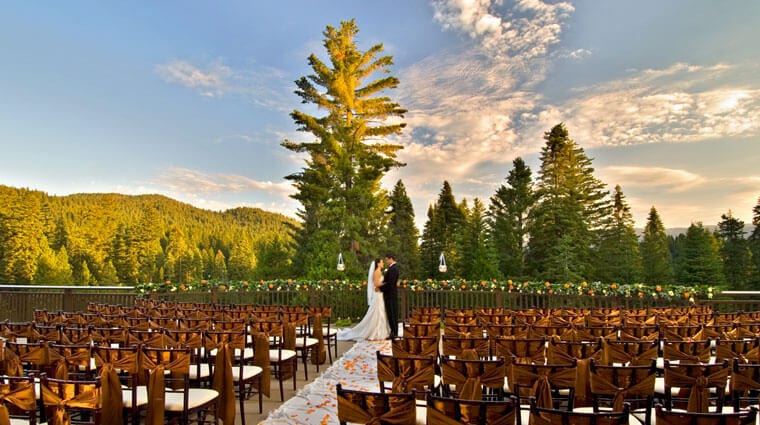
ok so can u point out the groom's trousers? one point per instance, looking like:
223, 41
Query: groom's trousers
391, 310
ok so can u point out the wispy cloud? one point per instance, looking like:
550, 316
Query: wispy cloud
263, 86
669, 179
188, 180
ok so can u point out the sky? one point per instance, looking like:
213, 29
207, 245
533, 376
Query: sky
191, 99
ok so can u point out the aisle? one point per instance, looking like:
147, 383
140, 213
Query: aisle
316, 403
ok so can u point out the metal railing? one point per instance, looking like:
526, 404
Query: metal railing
18, 302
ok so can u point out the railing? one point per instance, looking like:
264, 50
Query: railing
18, 302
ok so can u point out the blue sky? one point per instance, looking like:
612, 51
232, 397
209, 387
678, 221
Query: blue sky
190, 99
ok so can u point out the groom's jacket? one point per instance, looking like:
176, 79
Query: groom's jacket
390, 279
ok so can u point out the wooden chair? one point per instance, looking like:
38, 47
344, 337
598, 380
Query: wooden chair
452, 411
406, 374
282, 354
79, 400
122, 364
304, 342
667, 417
473, 379
612, 386
551, 386
635, 353
415, 346
464, 347
745, 384
176, 399
548, 416
245, 376
329, 334
526, 350
687, 351
363, 407
422, 329
18, 396
705, 385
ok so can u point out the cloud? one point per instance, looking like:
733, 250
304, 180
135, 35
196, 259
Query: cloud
671, 180
680, 103
266, 87
192, 181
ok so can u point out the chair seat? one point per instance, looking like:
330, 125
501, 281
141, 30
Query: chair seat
421, 412
310, 342
205, 371
248, 372
142, 396
17, 421
197, 397
247, 353
330, 332
637, 417
274, 355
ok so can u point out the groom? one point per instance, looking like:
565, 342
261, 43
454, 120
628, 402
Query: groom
390, 293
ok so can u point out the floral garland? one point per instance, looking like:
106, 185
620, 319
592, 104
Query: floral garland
640, 290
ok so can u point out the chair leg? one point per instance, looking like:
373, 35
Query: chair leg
329, 348
305, 365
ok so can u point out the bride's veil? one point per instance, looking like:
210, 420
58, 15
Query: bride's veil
371, 283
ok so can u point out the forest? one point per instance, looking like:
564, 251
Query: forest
107, 239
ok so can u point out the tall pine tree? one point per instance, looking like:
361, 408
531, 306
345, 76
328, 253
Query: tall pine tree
754, 245
698, 260
619, 259
570, 210
738, 267
441, 234
656, 259
342, 204
508, 213
404, 236
478, 253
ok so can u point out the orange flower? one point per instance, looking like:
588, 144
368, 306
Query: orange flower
525, 284
290, 280
509, 281
245, 283
511, 287
271, 285
306, 287
686, 294
547, 284
658, 288
223, 287
591, 292
444, 283
203, 281
567, 286
483, 283
551, 291
260, 281
464, 286
364, 283
584, 284
168, 282
419, 288
613, 286
641, 295
182, 287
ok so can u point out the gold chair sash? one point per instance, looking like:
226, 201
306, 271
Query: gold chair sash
413, 374
672, 352
224, 384
401, 410
318, 354
601, 385
261, 359
613, 353
471, 381
157, 384
415, 346
22, 396
88, 399
439, 415
700, 387
12, 363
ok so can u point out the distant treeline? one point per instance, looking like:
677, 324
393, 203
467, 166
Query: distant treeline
111, 238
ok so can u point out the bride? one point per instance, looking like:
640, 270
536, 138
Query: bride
374, 325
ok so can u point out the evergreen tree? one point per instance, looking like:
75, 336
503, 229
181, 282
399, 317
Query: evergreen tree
619, 259
404, 234
570, 210
478, 253
242, 260
656, 257
738, 267
441, 234
754, 245
698, 261
339, 189
53, 267
274, 259
21, 229
508, 214
219, 269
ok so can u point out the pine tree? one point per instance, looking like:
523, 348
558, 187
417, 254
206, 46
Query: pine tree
508, 213
53, 267
274, 259
754, 245
656, 257
21, 230
738, 267
219, 267
441, 235
339, 189
404, 236
570, 210
698, 261
619, 259
242, 260
478, 253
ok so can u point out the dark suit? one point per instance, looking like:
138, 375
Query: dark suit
390, 296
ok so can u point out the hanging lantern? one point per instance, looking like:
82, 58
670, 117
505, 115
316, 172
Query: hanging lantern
341, 264
442, 264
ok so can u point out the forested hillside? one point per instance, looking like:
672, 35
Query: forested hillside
111, 238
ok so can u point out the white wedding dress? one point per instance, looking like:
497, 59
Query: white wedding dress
374, 325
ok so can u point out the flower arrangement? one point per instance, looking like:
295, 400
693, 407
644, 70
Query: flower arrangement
595, 289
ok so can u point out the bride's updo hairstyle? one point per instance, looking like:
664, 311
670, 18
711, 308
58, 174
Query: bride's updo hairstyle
377, 261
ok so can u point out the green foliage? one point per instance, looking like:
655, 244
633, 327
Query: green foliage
403, 236
478, 253
342, 204
754, 245
507, 216
619, 259
656, 257
569, 212
698, 261
119, 239
735, 252
442, 231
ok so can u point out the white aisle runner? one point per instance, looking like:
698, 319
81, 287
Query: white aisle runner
316, 403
